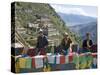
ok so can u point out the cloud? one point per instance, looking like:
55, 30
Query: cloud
69, 10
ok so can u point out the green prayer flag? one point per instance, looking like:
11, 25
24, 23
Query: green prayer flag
89, 58
28, 62
82, 59
76, 59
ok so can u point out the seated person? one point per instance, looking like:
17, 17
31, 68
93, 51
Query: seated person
65, 45
87, 43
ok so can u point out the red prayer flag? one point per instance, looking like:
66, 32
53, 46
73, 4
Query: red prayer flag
62, 59
70, 58
33, 62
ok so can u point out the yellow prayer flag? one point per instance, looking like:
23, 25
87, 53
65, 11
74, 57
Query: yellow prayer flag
22, 62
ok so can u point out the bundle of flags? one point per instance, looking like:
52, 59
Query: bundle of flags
80, 60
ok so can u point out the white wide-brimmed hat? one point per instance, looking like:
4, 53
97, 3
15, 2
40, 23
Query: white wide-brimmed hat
65, 33
40, 31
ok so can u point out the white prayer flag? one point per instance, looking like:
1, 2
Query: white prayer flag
58, 59
51, 58
39, 61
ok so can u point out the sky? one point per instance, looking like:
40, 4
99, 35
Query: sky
76, 9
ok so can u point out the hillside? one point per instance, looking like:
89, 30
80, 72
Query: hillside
29, 16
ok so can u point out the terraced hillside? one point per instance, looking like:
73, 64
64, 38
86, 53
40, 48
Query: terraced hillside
30, 17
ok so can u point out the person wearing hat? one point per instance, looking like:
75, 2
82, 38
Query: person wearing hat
87, 43
42, 43
45, 30
65, 43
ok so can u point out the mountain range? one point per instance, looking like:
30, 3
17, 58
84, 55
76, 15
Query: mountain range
82, 29
75, 19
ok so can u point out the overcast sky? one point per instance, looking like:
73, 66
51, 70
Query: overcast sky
76, 9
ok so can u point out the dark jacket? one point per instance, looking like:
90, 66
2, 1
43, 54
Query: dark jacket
41, 42
85, 44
